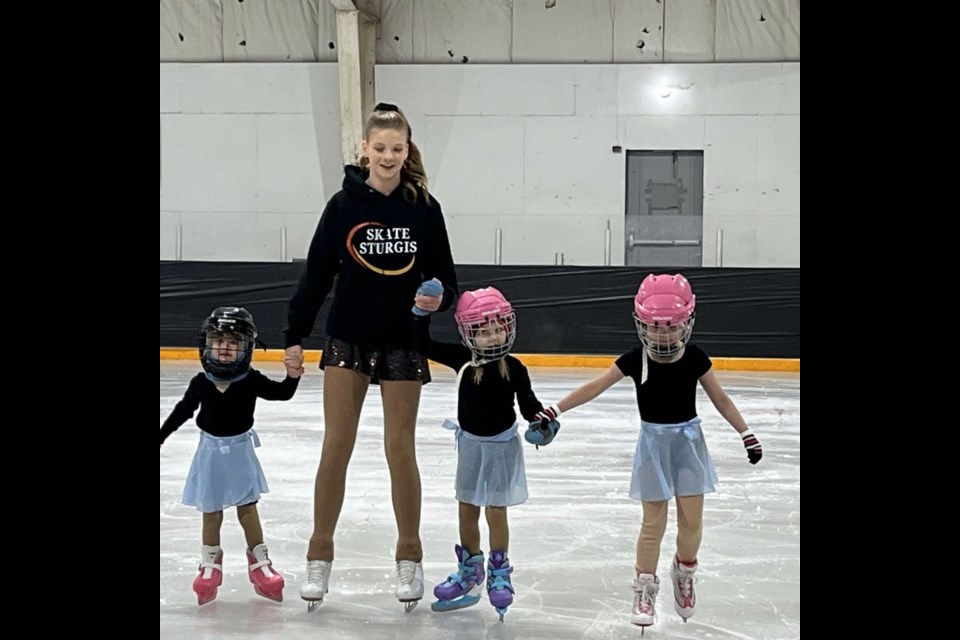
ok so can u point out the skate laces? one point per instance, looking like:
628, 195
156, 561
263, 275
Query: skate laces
645, 599
406, 571
317, 572
685, 583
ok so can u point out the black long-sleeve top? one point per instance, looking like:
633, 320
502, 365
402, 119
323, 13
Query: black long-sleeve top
230, 412
380, 248
484, 409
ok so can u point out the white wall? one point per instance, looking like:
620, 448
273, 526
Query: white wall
488, 31
246, 151
522, 148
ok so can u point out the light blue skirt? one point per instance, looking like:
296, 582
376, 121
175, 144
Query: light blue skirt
490, 471
671, 460
225, 473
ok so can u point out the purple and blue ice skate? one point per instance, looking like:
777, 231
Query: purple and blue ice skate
463, 588
499, 588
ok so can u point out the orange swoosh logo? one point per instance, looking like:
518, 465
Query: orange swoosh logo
363, 262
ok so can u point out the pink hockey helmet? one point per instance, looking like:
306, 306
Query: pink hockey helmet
475, 312
663, 310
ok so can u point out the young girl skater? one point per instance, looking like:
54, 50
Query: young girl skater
490, 469
671, 459
225, 470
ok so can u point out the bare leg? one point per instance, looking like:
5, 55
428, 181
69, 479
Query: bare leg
211, 528
343, 394
689, 527
250, 521
470, 528
651, 534
499, 530
401, 400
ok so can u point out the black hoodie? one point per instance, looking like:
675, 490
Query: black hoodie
382, 248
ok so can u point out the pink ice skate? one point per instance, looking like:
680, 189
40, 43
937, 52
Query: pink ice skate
211, 574
266, 582
645, 587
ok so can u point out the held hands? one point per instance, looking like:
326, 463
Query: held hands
428, 298
544, 427
752, 445
293, 361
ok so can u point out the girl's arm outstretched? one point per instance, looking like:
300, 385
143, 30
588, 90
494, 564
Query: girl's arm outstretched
591, 390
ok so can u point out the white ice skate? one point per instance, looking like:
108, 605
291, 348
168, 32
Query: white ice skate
684, 598
409, 583
646, 586
315, 587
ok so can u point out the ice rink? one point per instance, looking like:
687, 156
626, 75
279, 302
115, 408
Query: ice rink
573, 543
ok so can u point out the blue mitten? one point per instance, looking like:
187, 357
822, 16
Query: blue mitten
544, 427
431, 288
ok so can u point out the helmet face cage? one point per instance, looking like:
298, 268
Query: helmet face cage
490, 339
226, 342
664, 340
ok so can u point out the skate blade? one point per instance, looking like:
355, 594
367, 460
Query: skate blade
276, 597
313, 604
409, 605
457, 603
206, 598
501, 611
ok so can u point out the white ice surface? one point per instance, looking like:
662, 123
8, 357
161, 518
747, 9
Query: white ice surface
573, 542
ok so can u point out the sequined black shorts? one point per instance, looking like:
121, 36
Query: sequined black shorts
377, 361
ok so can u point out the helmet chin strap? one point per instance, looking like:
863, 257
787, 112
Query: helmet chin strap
667, 359
479, 362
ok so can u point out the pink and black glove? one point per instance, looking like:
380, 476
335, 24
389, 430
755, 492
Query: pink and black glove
752, 445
